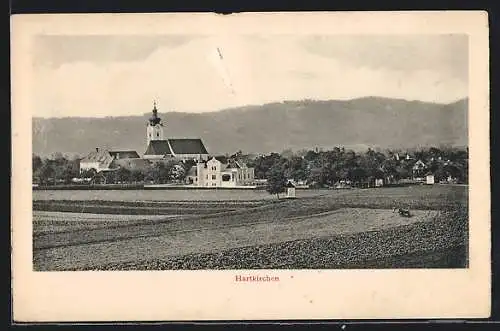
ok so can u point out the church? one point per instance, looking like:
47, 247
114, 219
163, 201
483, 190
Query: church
207, 172
160, 148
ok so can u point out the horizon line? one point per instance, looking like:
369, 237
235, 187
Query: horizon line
235, 108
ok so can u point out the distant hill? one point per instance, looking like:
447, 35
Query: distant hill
357, 123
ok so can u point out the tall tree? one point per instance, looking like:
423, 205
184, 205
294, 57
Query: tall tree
276, 181
36, 162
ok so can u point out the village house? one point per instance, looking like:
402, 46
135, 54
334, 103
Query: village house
418, 169
103, 160
159, 148
215, 173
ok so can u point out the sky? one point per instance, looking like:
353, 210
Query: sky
98, 76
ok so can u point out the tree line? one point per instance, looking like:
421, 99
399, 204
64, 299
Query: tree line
313, 167
326, 168
59, 169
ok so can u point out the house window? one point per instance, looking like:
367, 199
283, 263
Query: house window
207, 177
214, 177
226, 178
213, 184
232, 177
157, 134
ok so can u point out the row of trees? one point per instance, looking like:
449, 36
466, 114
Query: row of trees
325, 168
61, 170
321, 168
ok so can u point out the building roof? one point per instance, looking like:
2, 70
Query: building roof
187, 146
220, 158
233, 164
158, 147
176, 146
192, 171
131, 163
124, 154
289, 184
102, 156
419, 164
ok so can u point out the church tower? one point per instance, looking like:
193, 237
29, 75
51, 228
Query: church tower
155, 126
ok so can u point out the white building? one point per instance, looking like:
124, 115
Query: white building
214, 173
290, 190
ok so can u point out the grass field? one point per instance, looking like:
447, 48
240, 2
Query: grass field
108, 230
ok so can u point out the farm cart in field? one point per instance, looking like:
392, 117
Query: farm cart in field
405, 212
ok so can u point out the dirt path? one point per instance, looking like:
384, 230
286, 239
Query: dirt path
51, 216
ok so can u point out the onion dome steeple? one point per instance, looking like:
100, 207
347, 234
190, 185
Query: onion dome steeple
154, 119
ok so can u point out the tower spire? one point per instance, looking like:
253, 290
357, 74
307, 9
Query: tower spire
154, 128
154, 119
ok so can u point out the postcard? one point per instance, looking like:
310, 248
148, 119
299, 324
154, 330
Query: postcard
255, 166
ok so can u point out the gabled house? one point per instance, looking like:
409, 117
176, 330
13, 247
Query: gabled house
215, 173
418, 169
103, 160
419, 165
97, 160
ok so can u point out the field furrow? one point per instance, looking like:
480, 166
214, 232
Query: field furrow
166, 240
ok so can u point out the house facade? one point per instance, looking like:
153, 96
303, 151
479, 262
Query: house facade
103, 160
418, 169
215, 173
98, 160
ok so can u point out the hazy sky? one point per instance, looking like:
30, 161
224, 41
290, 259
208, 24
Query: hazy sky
121, 75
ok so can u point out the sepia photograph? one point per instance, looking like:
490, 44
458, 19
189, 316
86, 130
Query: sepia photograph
249, 151
303, 170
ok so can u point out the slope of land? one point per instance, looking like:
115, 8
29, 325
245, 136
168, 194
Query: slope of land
356, 124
